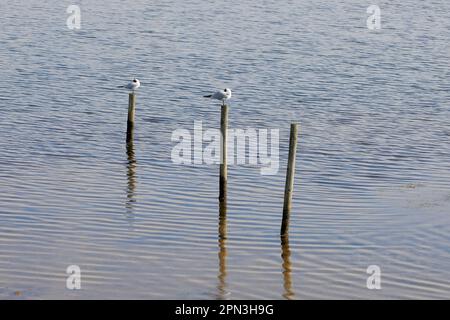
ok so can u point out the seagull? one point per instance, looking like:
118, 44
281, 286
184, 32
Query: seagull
223, 95
133, 85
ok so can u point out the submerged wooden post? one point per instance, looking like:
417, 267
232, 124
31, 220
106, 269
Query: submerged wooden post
131, 114
289, 187
131, 178
286, 267
222, 249
223, 156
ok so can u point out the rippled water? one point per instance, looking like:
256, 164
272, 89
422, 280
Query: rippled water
373, 179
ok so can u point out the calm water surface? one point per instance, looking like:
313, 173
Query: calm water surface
373, 178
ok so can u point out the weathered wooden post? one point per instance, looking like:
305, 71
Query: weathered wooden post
223, 201
131, 115
223, 156
289, 187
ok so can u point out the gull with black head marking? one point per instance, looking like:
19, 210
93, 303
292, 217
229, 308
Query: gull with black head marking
133, 85
222, 95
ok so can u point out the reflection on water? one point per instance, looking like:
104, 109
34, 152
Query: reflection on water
131, 180
287, 268
222, 249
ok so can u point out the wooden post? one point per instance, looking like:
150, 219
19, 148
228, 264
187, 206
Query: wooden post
223, 156
289, 187
131, 114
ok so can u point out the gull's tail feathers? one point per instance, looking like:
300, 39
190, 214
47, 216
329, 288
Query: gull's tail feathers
208, 96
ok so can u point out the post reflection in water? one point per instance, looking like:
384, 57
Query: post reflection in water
222, 250
131, 179
287, 268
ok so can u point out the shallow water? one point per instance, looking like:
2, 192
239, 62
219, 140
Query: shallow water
373, 173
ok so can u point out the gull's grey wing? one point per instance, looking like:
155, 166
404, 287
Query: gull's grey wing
219, 95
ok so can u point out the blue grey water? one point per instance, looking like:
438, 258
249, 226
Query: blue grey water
372, 185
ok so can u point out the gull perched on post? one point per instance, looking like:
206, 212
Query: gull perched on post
133, 85
222, 95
